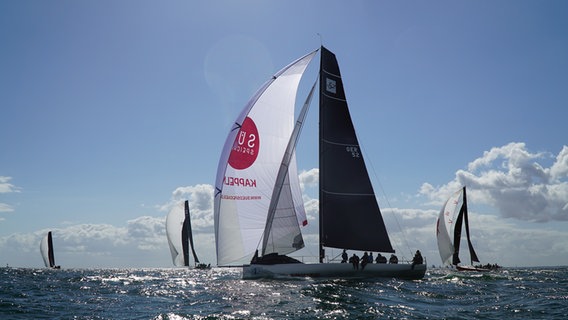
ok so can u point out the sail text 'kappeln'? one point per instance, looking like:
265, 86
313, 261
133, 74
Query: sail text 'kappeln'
244, 182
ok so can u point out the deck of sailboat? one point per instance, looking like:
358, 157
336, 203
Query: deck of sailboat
334, 270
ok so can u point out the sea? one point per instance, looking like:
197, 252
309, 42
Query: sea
220, 293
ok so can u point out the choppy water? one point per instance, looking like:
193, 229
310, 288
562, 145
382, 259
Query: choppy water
529, 293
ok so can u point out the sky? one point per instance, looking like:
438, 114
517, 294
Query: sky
113, 111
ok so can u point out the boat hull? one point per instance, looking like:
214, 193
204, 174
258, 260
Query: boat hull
471, 268
333, 270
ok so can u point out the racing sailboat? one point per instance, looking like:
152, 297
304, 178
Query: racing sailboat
180, 236
452, 217
257, 197
46, 249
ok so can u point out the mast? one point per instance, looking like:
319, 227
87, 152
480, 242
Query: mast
321, 178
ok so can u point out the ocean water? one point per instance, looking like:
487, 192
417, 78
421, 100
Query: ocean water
219, 293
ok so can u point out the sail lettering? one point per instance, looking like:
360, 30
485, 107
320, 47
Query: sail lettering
239, 182
243, 139
246, 146
354, 151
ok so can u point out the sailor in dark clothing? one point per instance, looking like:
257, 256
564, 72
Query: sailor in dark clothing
393, 259
355, 261
417, 259
344, 256
364, 260
381, 258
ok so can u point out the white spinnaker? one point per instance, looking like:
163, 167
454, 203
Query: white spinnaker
242, 196
44, 249
174, 225
445, 226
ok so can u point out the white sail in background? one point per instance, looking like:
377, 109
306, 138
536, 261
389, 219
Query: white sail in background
44, 249
174, 226
446, 224
249, 164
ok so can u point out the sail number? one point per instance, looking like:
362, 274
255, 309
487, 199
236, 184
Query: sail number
354, 152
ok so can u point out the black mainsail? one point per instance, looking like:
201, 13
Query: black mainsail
349, 214
463, 217
188, 234
51, 255
46, 249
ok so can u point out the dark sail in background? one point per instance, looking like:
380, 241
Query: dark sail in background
463, 215
187, 233
350, 217
50, 253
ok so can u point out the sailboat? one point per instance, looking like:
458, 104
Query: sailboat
452, 217
257, 193
180, 237
46, 249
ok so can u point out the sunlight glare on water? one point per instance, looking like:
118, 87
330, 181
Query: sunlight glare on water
220, 293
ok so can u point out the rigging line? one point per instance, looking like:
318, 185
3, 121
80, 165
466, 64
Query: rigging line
404, 237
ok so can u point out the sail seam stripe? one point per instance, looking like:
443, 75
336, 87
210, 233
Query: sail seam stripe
332, 74
340, 144
353, 194
338, 99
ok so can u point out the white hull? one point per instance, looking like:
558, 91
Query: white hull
333, 270
472, 268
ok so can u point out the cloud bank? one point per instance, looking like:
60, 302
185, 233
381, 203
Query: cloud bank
515, 181
512, 181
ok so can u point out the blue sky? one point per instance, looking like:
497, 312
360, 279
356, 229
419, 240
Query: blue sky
113, 111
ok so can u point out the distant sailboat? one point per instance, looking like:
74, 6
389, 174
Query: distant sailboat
257, 197
449, 230
180, 237
46, 249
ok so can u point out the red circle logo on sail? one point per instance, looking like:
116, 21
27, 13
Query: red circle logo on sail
246, 145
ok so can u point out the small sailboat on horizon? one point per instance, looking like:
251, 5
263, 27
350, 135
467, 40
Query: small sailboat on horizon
451, 219
46, 249
180, 236
257, 193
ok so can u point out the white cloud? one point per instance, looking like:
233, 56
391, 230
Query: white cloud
6, 186
96, 245
200, 204
515, 181
6, 207
147, 232
309, 178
